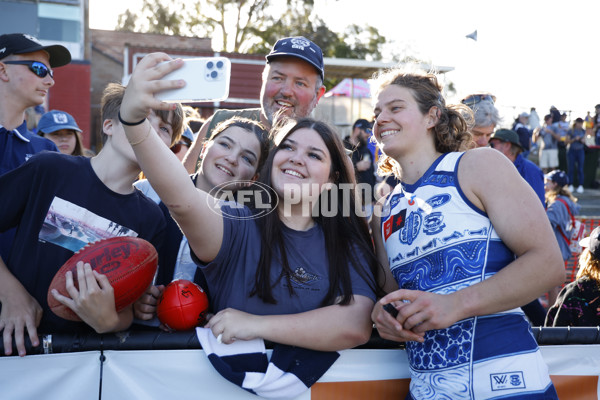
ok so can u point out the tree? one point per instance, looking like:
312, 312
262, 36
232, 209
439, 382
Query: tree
253, 26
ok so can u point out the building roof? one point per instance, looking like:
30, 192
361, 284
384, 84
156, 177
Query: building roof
113, 43
351, 68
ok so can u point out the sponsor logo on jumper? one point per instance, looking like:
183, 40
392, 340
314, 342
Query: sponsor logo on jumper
394, 223
438, 200
507, 380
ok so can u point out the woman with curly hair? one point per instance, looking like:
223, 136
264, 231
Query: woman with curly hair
466, 243
578, 303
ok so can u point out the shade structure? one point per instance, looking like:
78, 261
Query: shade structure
348, 87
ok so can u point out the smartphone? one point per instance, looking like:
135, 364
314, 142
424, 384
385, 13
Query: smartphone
389, 307
206, 78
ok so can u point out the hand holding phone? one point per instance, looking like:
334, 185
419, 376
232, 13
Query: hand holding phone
206, 79
389, 307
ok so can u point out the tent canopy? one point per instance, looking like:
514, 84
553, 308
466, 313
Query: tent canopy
355, 88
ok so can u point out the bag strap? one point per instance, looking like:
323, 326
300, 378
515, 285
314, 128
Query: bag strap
568, 210
568, 240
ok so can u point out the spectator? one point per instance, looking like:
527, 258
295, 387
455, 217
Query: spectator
576, 154
596, 124
508, 143
534, 119
560, 206
562, 128
486, 116
455, 312
258, 269
578, 302
556, 116
362, 158
292, 84
185, 142
61, 203
25, 79
235, 153
548, 158
521, 127
24, 65
62, 129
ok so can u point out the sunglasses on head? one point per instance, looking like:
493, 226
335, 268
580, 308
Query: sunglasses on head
38, 68
478, 98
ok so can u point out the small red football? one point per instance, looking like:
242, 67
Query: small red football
182, 306
128, 262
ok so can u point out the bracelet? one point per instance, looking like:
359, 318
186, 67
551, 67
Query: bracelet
129, 123
144, 138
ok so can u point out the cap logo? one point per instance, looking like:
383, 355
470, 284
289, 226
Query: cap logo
60, 118
2, 50
33, 39
299, 43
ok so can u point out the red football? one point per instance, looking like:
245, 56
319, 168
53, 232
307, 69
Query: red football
182, 306
128, 262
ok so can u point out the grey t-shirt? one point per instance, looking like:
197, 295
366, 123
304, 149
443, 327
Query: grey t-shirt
231, 275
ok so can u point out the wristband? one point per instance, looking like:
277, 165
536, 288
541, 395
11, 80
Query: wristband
129, 123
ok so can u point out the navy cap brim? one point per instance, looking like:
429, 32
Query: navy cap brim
271, 56
59, 55
59, 127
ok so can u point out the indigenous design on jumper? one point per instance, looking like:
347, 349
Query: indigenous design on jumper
445, 245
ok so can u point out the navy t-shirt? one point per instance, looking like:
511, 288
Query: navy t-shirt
230, 276
58, 205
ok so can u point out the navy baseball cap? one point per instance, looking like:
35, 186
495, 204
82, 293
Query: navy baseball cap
56, 120
299, 47
557, 176
362, 124
592, 242
21, 43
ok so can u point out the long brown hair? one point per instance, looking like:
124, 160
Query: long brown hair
347, 239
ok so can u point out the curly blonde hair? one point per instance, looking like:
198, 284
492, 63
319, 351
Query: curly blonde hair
589, 265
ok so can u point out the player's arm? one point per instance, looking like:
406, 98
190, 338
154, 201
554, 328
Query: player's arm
492, 183
20, 312
194, 210
191, 158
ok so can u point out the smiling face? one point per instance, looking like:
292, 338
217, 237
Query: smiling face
232, 156
301, 166
26, 88
289, 85
399, 124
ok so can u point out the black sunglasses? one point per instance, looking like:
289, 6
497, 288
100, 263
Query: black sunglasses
478, 98
36, 67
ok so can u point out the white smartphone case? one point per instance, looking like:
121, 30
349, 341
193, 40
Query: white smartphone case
207, 80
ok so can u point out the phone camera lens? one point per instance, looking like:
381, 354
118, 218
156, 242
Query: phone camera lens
219, 64
209, 64
214, 74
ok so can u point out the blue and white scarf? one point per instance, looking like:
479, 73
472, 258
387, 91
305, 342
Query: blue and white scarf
290, 372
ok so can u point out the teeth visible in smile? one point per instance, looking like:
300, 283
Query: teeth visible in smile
387, 133
284, 103
228, 172
293, 173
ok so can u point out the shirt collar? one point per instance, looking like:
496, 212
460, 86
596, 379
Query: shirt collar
22, 136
